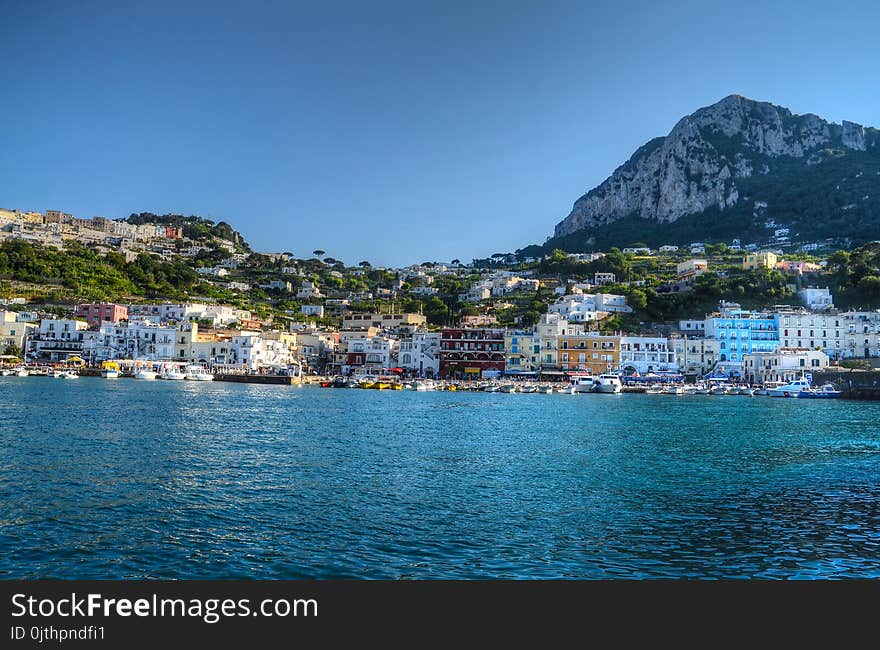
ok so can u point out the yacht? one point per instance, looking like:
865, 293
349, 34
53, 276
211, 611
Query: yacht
196, 372
791, 389
826, 391
583, 384
608, 383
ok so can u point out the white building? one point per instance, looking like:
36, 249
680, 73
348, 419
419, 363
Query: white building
14, 332
57, 339
420, 354
816, 299
308, 290
695, 356
784, 364
604, 278
213, 271
668, 248
646, 354
253, 351
693, 327
134, 339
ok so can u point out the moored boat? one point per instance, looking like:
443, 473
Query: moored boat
110, 370
826, 391
146, 374
196, 372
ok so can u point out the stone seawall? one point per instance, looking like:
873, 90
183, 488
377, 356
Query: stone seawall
855, 384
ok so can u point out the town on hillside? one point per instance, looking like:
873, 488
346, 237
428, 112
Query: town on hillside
187, 290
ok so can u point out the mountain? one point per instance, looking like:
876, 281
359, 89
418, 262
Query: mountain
738, 168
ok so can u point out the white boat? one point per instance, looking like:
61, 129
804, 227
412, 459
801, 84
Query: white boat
826, 391
110, 373
69, 374
676, 390
608, 383
21, 372
791, 389
7, 372
148, 375
545, 390
424, 386
528, 389
567, 390
491, 388
196, 372
508, 388
583, 384
173, 374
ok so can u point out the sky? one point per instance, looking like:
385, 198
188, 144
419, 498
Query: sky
393, 132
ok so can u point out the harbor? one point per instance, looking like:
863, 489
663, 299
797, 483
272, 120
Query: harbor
163, 479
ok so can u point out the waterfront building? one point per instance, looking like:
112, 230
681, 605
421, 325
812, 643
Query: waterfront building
547, 331
604, 278
694, 355
842, 335
647, 354
96, 313
252, 351
57, 339
134, 339
368, 354
764, 260
419, 354
522, 352
471, 353
740, 332
14, 332
784, 364
590, 352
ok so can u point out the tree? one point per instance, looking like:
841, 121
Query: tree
319, 253
456, 262
365, 264
12, 350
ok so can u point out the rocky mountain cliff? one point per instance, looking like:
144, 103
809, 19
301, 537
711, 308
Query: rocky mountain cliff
735, 159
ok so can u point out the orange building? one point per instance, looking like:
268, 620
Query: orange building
589, 352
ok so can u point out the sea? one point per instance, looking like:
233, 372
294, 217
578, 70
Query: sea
122, 479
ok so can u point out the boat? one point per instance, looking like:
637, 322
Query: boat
791, 389
567, 390
583, 384
701, 389
452, 387
676, 390
608, 383
7, 372
110, 370
545, 390
508, 388
491, 388
528, 389
173, 374
69, 374
654, 390
196, 372
746, 390
146, 374
21, 372
351, 383
826, 391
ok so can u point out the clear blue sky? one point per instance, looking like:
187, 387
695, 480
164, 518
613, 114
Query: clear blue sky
390, 131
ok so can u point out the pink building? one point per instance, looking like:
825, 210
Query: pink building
95, 314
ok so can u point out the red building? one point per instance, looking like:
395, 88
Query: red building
468, 353
95, 314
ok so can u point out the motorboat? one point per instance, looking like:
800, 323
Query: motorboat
145, 373
173, 374
545, 390
508, 388
196, 372
21, 372
110, 370
583, 384
69, 374
791, 389
608, 383
491, 388
826, 391
528, 389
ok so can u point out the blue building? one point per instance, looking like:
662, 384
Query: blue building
741, 332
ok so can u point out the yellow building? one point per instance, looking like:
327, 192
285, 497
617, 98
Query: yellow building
522, 352
595, 353
755, 261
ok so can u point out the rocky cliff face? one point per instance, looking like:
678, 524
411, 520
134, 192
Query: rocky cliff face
698, 165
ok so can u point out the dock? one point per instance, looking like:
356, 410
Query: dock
854, 384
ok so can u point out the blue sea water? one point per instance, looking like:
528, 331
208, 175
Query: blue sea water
133, 479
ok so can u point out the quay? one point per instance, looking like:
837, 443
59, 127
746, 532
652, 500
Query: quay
854, 384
